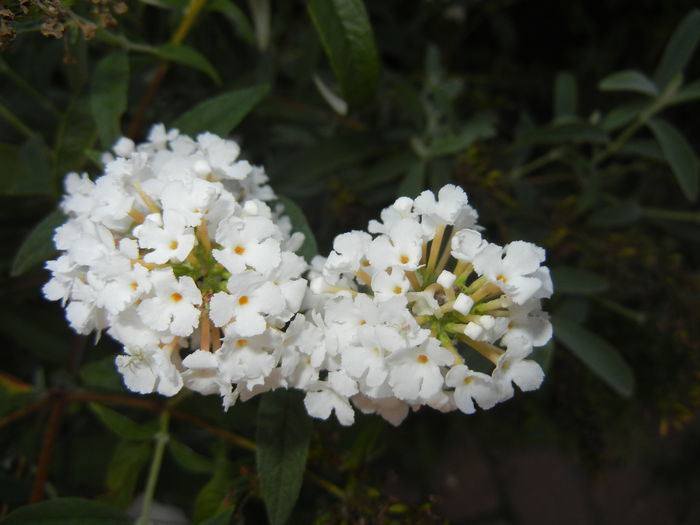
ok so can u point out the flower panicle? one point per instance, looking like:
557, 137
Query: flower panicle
176, 253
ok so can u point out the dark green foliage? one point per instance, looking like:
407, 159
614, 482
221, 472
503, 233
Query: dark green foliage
573, 125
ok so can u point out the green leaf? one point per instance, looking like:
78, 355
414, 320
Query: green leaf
237, 17
629, 80
67, 511
679, 49
299, 223
565, 95
190, 57
576, 281
76, 134
102, 375
220, 519
11, 169
127, 461
597, 354
575, 309
644, 148
615, 215
622, 115
188, 459
679, 155
108, 96
687, 93
50, 344
25, 170
38, 246
543, 356
413, 182
346, 35
282, 435
480, 127
122, 426
222, 113
212, 500
36, 158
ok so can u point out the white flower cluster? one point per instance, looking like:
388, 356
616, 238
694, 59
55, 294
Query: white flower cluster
175, 254
173, 249
401, 310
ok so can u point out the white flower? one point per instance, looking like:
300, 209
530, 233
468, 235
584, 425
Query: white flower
471, 386
324, 397
247, 243
174, 306
416, 372
512, 268
252, 297
168, 236
512, 367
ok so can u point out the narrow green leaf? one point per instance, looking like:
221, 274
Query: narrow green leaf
211, 499
413, 182
222, 113
188, 459
629, 80
36, 158
679, 50
576, 281
102, 375
236, 16
543, 356
12, 170
25, 170
38, 246
480, 127
575, 309
299, 224
644, 148
346, 35
687, 93
127, 461
282, 435
622, 115
76, 134
679, 155
108, 96
220, 519
190, 57
122, 425
615, 215
565, 97
597, 354
67, 511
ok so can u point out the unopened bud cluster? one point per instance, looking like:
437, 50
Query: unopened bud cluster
175, 253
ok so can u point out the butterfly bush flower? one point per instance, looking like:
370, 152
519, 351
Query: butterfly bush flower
176, 254
411, 310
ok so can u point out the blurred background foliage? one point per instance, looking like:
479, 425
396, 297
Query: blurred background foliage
569, 124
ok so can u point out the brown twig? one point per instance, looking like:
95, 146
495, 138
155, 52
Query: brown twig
23, 412
47, 446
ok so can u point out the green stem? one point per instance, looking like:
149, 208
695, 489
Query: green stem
161, 439
641, 120
16, 122
671, 215
537, 163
